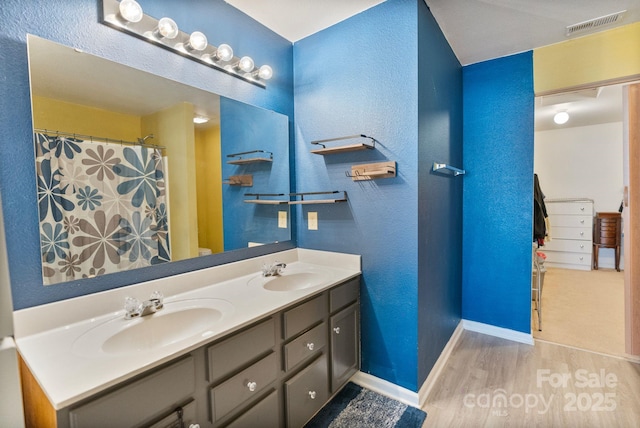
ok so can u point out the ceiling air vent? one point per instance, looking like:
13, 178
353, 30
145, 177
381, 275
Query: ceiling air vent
595, 23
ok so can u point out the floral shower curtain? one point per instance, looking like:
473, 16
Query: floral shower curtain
102, 207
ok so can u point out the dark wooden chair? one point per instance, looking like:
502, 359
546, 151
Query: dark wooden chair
607, 233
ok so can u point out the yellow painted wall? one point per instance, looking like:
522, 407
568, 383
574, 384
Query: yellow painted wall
209, 185
62, 116
173, 129
606, 56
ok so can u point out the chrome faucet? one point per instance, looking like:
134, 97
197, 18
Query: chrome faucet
134, 308
273, 269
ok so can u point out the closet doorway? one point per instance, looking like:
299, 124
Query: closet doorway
580, 166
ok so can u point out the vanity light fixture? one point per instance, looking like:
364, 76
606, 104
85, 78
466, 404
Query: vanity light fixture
166, 28
561, 117
128, 17
130, 11
197, 41
200, 119
245, 64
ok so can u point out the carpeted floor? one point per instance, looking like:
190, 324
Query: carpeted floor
584, 309
358, 407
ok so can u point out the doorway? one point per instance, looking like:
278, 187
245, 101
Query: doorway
581, 162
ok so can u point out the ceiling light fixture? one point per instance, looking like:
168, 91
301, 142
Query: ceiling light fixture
127, 16
561, 117
200, 119
130, 11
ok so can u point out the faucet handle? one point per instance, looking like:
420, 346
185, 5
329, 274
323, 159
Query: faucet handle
131, 306
159, 298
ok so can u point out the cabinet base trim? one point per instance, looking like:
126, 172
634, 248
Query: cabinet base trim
492, 330
386, 388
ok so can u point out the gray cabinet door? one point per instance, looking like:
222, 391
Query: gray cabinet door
263, 414
307, 392
345, 346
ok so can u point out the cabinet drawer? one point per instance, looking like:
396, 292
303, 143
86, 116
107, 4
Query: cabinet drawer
578, 233
310, 343
173, 420
569, 258
304, 316
565, 208
243, 386
235, 352
345, 294
145, 399
570, 221
263, 414
569, 245
307, 392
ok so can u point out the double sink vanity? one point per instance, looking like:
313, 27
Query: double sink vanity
259, 342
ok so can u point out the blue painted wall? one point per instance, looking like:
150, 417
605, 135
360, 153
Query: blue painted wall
246, 128
439, 195
344, 85
498, 191
75, 23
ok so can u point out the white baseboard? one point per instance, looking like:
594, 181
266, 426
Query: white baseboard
436, 370
386, 388
492, 330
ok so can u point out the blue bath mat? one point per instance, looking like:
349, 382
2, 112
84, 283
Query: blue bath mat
358, 407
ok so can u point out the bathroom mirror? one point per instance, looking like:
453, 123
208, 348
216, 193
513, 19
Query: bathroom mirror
126, 179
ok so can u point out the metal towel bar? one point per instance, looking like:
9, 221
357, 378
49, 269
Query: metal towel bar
456, 171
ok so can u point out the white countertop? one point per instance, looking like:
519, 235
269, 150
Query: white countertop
45, 335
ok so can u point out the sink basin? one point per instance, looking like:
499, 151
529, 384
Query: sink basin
177, 322
291, 280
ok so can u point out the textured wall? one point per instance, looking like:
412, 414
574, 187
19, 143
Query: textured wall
498, 192
75, 23
439, 195
343, 86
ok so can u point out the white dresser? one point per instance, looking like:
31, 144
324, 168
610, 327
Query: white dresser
571, 223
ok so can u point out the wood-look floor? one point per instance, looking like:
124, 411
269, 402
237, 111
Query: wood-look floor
493, 382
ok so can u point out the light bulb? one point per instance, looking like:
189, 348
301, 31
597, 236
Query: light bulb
265, 72
246, 64
197, 41
167, 28
130, 11
561, 117
224, 52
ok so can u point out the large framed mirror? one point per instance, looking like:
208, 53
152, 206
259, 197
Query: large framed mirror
127, 179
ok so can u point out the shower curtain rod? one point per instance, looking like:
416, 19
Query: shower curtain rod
91, 138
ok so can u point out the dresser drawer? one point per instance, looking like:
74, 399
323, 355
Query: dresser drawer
344, 294
307, 392
243, 386
569, 245
235, 352
578, 233
304, 316
568, 208
570, 221
568, 258
308, 344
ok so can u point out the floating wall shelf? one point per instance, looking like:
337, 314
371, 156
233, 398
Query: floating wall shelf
255, 156
260, 201
303, 201
345, 148
240, 180
372, 170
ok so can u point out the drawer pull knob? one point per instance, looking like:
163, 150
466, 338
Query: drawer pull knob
252, 386
582, 246
310, 346
312, 394
582, 221
337, 330
194, 426
581, 258
581, 233
581, 208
